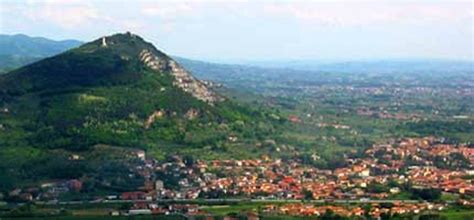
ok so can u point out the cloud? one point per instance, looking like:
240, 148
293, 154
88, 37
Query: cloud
73, 15
167, 10
166, 15
300, 27
358, 13
67, 14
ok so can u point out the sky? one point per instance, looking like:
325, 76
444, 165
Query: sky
260, 30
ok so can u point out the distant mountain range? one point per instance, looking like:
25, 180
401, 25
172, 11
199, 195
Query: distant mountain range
23, 45
17, 50
381, 66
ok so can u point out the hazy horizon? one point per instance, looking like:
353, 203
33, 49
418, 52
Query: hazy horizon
264, 31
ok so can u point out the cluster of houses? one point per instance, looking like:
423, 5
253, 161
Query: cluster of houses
387, 164
424, 173
46, 191
374, 210
143, 208
385, 114
276, 179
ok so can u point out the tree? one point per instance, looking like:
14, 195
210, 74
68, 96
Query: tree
430, 217
374, 187
429, 194
189, 160
308, 195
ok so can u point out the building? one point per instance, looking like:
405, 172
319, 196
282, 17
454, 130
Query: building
139, 212
159, 185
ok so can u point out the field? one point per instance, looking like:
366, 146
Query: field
90, 212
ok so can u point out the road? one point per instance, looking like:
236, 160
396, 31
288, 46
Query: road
339, 201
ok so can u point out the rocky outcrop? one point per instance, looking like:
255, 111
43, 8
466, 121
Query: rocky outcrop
191, 114
183, 79
153, 117
152, 61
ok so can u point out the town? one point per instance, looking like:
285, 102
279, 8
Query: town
411, 174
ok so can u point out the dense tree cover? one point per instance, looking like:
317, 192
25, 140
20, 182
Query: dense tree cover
441, 128
95, 95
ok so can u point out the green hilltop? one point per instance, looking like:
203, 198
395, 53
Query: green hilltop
116, 91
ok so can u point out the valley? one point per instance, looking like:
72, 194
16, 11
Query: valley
131, 130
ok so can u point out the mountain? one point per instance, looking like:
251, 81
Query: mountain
121, 92
17, 50
23, 45
117, 59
